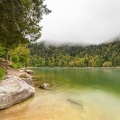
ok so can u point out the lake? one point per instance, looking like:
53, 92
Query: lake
74, 94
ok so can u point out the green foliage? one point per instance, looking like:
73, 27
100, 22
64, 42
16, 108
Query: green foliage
107, 64
2, 51
21, 56
20, 20
2, 73
104, 55
19, 23
34, 61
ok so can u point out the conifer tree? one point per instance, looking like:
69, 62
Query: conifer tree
19, 21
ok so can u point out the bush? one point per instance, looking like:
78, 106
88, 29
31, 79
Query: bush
17, 65
2, 73
15, 59
107, 64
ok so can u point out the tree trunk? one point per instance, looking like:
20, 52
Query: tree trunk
10, 56
6, 54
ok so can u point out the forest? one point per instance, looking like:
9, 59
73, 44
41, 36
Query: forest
102, 55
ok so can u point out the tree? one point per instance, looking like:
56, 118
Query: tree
107, 64
19, 23
21, 58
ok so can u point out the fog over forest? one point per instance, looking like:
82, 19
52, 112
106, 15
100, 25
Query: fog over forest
81, 21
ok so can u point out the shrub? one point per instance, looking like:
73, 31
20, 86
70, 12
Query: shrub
2, 73
107, 64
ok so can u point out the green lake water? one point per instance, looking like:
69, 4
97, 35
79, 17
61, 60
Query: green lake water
80, 78
74, 94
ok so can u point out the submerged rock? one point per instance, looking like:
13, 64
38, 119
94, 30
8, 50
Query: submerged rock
74, 102
44, 85
14, 90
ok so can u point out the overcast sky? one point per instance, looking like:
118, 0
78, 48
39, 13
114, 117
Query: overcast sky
81, 21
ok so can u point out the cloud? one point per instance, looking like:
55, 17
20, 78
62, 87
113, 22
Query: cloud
87, 21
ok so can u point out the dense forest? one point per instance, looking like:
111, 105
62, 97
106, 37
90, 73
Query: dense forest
103, 55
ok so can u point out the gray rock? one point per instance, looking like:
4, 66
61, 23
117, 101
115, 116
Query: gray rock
14, 90
28, 81
29, 71
44, 85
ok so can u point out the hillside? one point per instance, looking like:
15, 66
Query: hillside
103, 55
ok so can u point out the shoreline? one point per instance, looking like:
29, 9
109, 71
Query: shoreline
72, 67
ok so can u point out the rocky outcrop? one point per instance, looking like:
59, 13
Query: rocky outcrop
14, 90
5, 64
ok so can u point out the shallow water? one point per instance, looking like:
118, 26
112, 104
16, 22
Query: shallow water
75, 94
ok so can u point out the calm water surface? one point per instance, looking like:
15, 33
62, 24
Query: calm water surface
74, 94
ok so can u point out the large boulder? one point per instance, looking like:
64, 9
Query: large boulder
28, 81
14, 90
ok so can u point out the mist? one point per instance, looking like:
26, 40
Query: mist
81, 21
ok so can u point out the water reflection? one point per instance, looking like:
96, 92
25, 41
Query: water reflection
97, 78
